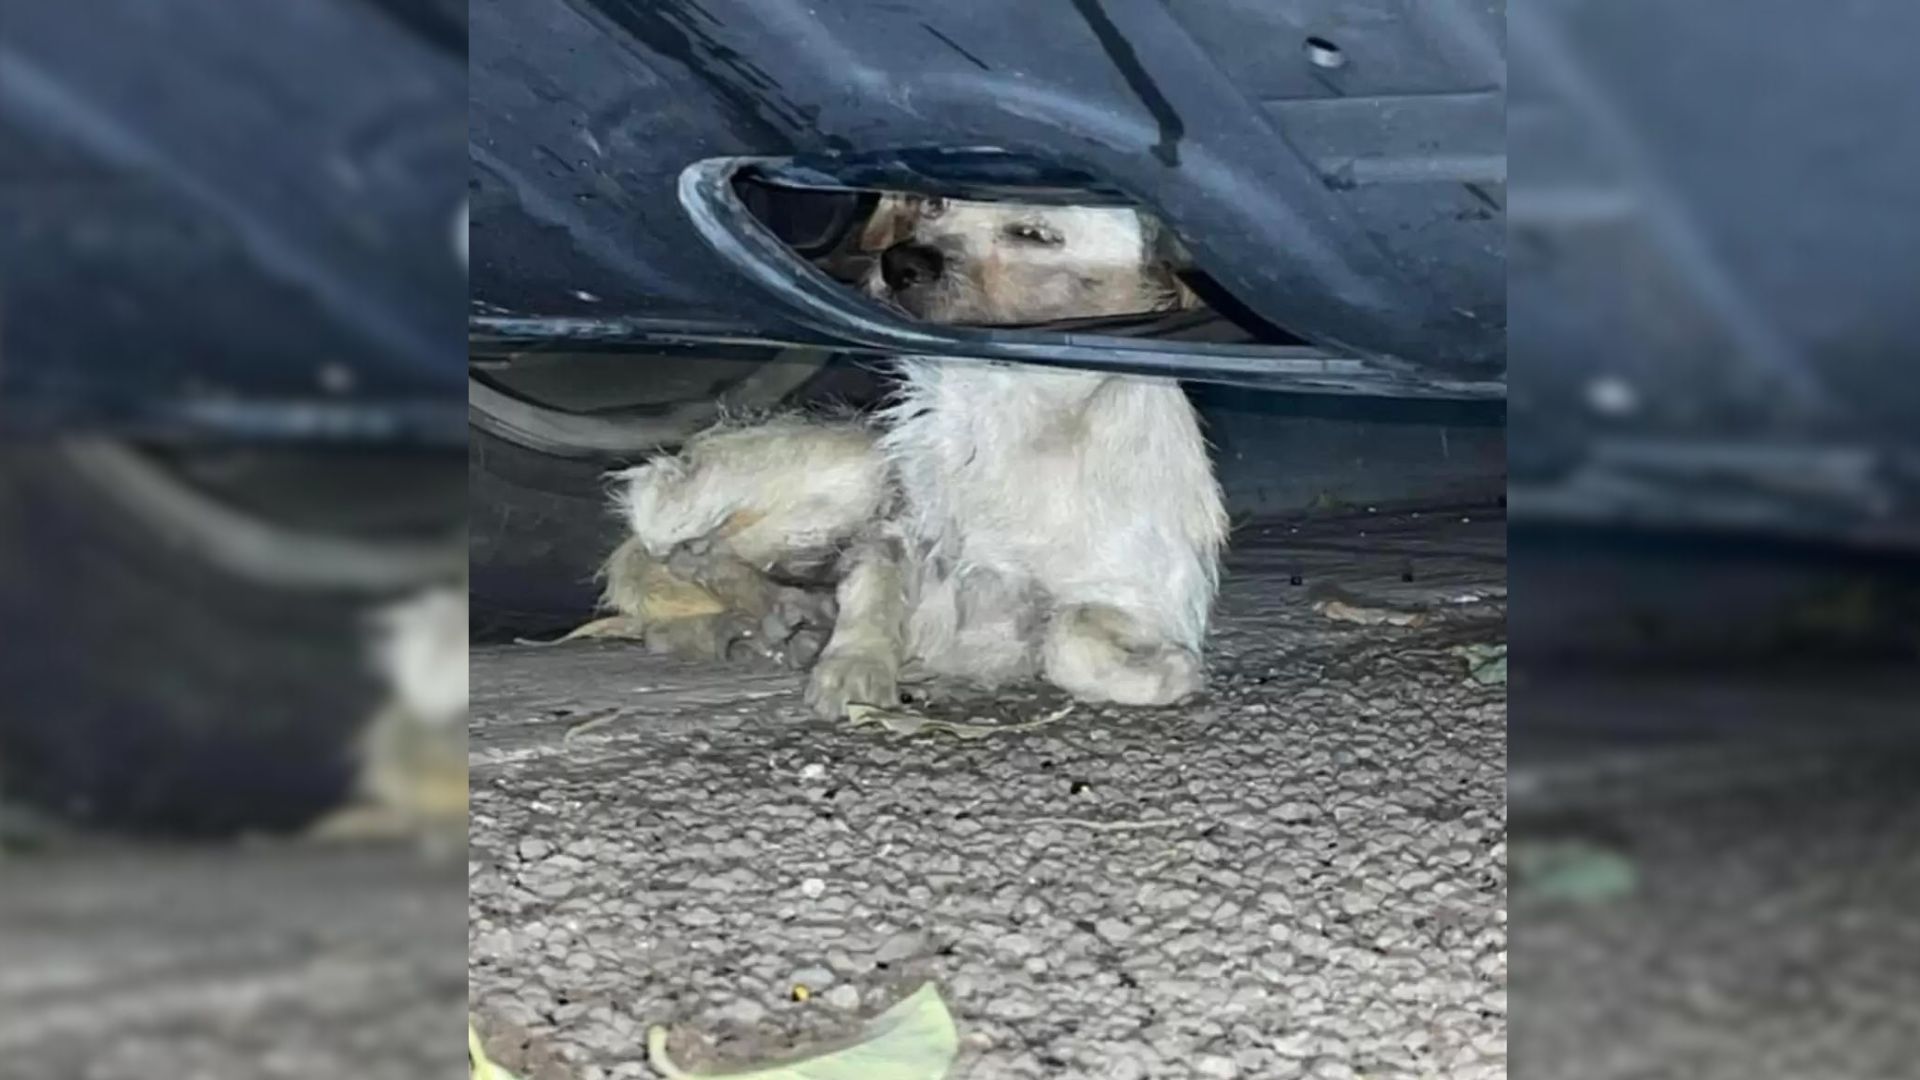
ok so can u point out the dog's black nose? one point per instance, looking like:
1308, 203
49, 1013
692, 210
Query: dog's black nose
903, 266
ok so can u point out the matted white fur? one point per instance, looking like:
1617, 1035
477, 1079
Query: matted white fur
421, 648
1065, 522
782, 489
1006, 522
1070, 490
412, 754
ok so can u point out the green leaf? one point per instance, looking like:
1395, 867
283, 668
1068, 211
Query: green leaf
478, 1067
1571, 870
1486, 663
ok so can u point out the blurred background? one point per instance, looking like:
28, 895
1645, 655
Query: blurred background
1714, 432
232, 446
232, 295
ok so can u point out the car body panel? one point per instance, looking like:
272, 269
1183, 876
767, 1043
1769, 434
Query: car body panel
1381, 239
1714, 269
216, 223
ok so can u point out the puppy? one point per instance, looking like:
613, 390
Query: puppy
955, 261
999, 522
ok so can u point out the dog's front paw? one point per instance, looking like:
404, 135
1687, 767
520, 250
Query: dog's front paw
1164, 676
1099, 653
853, 676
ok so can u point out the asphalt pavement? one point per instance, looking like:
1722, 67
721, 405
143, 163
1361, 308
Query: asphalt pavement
1300, 874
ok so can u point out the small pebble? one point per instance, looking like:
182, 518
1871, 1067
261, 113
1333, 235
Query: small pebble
815, 978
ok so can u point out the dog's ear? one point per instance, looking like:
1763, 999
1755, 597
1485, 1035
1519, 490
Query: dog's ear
1171, 293
1163, 247
1166, 257
891, 222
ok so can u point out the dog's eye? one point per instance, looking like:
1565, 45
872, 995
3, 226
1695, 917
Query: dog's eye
933, 207
1033, 232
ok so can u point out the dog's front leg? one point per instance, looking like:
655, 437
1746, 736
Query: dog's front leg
861, 663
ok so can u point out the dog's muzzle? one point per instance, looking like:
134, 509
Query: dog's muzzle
904, 266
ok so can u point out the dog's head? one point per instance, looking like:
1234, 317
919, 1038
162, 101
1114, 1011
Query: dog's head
955, 261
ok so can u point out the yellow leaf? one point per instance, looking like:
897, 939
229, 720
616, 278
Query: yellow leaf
907, 722
669, 598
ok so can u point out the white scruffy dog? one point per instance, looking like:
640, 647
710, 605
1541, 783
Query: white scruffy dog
999, 522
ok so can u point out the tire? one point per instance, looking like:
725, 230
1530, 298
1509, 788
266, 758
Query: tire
538, 526
156, 683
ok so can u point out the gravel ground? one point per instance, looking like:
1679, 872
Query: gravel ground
1773, 936
259, 962
1300, 875
1771, 817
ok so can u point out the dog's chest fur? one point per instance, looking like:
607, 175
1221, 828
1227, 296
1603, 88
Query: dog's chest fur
1075, 486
